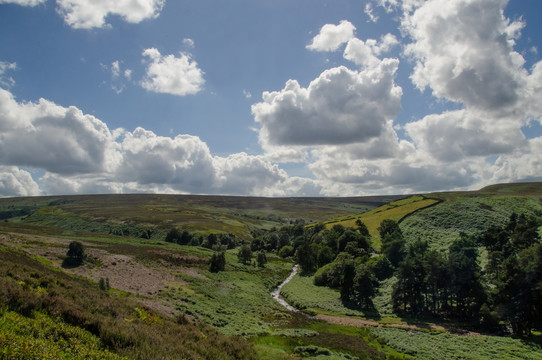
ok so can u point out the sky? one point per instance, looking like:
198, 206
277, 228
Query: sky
268, 98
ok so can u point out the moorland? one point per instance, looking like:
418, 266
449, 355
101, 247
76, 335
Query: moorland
450, 275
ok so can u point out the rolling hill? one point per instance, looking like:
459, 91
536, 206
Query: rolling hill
159, 292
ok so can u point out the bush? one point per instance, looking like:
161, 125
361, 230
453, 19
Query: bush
286, 251
261, 259
245, 254
218, 262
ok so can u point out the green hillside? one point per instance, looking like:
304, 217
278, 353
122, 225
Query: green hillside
137, 296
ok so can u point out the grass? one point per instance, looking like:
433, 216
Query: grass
396, 210
440, 346
123, 325
134, 215
303, 294
440, 225
40, 336
236, 301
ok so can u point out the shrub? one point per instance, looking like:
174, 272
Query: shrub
286, 251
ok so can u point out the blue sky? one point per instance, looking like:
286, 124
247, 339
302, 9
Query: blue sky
281, 98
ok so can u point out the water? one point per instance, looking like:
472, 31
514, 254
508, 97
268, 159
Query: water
276, 293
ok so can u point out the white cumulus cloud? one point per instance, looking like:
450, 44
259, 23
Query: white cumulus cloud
17, 182
172, 75
464, 52
87, 14
341, 106
58, 139
332, 36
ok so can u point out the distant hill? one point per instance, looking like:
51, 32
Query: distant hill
438, 217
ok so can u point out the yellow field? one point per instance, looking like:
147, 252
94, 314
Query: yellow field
395, 211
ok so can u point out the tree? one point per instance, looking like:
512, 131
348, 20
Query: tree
212, 240
362, 228
365, 285
75, 255
409, 290
245, 254
465, 277
393, 242
305, 256
261, 259
173, 235
218, 261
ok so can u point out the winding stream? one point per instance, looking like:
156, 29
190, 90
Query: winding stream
276, 293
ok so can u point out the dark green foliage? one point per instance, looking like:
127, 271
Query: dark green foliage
305, 256
332, 274
173, 235
211, 241
245, 254
515, 269
428, 282
103, 284
176, 236
324, 256
408, 293
261, 259
465, 286
381, 267
393, 242
75, 255
362, 228
365, 286
286, 251
217, 262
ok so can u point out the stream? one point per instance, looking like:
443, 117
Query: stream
276, 293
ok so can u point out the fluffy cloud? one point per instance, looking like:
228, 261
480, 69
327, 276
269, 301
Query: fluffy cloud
79, 154
87, 14
23, 2
172, 75
455, 135
341, 106
464, 52
17, 182
364, 53
332, 36
520, 165
51, 137
183, 162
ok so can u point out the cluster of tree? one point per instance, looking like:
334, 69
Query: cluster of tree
448, 283
210, 241
347, 261
440, 283
507, 292
514, 274
245, 256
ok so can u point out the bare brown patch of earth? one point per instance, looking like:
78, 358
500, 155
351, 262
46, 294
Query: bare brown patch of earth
122, 271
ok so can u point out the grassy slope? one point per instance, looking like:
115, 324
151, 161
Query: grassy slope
120, 213
395, 210
29, 284
235, 302
471, 212
226, 299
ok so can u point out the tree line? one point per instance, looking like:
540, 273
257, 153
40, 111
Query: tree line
504, 296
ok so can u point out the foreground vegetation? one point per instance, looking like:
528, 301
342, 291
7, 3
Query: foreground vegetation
150, 270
